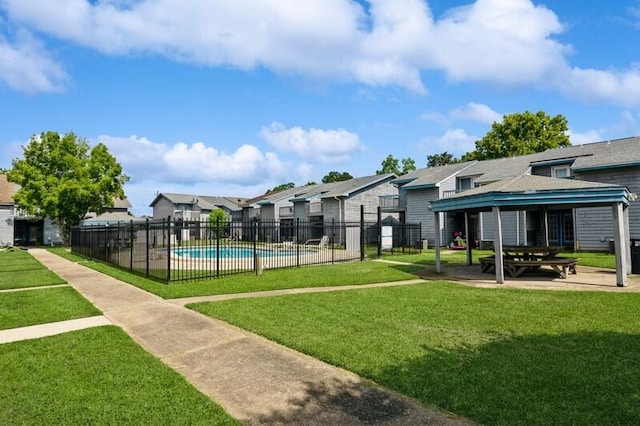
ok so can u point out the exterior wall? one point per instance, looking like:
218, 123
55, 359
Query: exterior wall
278, 204
514, 227
331, 210
6, 225
369, 198
402, 198
594, 226
268, 212
300, 211
163, 208
51, 233
418, 212
541, 171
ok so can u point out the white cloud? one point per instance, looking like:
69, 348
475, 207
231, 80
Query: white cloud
305, 171
472, 111
508, 42
612, 87
26, 67
629, 124
478, 113
327, 146
388, 44
193, 163
578, 138
454, 141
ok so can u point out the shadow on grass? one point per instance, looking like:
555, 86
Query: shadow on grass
581, 378
342, 402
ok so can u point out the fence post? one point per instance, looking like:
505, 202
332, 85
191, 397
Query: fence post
333, 236
131, 245
147, 249
168, 231
361, 232
218, 246
255, 246
379, 217
297, 242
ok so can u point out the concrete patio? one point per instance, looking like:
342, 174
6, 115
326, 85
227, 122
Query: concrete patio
586, 279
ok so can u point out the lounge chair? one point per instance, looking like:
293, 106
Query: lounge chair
320, 243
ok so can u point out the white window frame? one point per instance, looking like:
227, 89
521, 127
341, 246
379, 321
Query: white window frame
556, 169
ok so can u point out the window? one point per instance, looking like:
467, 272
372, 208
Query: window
560, 172
464, 184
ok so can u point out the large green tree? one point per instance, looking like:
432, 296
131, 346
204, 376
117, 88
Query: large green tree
62, 177
445, 158
336, 177
392, 165
521, 134
281, 187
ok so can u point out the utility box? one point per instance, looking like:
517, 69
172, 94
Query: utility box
635, 256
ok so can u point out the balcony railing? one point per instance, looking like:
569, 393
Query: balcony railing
313, 209
450, 193
390, 203
286, 211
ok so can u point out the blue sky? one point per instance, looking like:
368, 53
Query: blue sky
232, 97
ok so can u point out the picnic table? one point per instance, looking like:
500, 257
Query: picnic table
518, 259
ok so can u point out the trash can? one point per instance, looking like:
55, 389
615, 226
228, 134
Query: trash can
612, 246
635, 256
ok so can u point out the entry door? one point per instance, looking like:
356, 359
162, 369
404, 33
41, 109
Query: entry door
561, 228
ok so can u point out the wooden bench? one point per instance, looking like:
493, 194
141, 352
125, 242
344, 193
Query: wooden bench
562, 265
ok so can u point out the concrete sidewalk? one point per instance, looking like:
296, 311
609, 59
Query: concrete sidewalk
253, 379
51, 329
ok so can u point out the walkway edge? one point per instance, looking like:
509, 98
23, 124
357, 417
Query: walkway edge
271, 293
51, 329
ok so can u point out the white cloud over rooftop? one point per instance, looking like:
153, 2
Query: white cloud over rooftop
326, 146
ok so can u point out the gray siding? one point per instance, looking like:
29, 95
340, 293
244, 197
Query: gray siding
331, 210
299, 211
369, 198
448, 184
267, 212
594, 228
593, 225
513, 227
6, 226
418, 212
541, 171
162, 209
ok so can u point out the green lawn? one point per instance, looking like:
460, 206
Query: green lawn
351, 273
18, 269
39, 306
97, 376
497, 356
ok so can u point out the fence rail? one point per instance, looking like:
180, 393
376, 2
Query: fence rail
179, 250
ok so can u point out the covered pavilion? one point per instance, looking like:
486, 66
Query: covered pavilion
530, 192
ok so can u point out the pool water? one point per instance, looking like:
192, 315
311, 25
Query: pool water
231, 252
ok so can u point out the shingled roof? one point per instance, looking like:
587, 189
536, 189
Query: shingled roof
533, 191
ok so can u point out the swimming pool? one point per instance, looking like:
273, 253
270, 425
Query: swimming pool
232, 252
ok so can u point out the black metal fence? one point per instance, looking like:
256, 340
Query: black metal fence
180, 250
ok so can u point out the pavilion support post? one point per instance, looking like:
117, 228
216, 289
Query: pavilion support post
497, 245
466, 235
625, 212
620, 245
545, 226
436, 222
